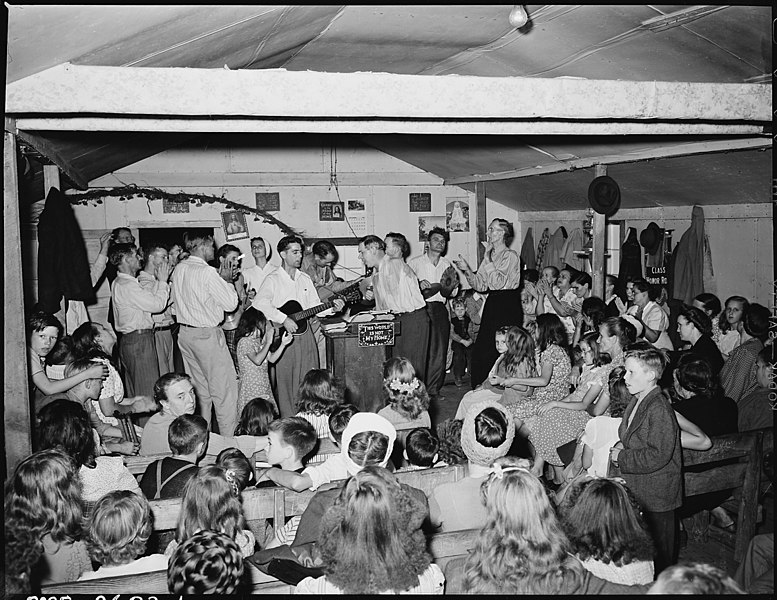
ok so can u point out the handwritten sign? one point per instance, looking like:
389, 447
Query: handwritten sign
376, 334
420, 202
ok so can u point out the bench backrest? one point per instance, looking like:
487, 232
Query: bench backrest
734, 461
279, 503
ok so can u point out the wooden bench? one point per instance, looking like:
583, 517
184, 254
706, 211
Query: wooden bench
442, 546
279, 503
734, 461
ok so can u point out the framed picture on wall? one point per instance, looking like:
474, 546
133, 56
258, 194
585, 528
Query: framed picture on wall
457, 214
420, 202
235, 226
331, 211
268, 201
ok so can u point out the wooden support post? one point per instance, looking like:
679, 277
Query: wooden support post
18, 416
480, 200
50, 178
599, 243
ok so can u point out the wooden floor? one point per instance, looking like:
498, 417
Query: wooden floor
717, 550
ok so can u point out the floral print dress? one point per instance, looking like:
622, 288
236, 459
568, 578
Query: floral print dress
557, 388
254, 379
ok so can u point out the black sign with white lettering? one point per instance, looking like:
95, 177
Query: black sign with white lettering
376, 334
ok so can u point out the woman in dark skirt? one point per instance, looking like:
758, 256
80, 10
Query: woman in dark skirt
499, 275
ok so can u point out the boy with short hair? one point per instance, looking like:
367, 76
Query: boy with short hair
755, 409
315, 476
289, 440
648, 454
166, 478
421, 449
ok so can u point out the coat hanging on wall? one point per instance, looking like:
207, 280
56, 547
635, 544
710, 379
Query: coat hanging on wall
527, 251
542, 249
631, 259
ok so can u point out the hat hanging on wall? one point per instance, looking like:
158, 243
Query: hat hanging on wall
604, 195
651, 238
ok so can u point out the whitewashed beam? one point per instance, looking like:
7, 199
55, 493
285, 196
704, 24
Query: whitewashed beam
277, 93
647, 154
264, 179
377, 126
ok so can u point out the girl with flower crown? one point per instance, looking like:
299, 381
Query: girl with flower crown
408, 402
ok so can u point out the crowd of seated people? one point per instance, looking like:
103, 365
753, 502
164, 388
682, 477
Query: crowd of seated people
572, 448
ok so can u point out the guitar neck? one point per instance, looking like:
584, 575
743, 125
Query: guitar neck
309, 312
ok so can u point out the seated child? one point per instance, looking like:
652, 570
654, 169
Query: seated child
317, 475
516, 360
697, 578
255, 418
43, 330
174, 395
166, 478
421, 449
406, 397
756, 409
239, 468
207, 563
319, 394
118, 530
449, 436
84, 392
65, 424
211, 500
290, 440
462, 337
487, 434
648, 454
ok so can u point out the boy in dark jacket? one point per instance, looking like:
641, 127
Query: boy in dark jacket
648, 454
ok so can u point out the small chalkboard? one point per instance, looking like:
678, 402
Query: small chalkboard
268, 201
420, 202
376, 334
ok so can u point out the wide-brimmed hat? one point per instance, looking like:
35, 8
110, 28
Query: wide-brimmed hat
651, 238
604, 195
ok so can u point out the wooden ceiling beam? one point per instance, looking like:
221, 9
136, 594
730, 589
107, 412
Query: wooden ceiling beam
43, 146
706, 147
279, 94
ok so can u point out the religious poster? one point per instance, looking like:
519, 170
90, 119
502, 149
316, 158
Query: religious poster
420, 202
457, 214
235, 226
268, 201
426, 224
331, 211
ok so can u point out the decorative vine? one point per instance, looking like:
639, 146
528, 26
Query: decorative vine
127, 192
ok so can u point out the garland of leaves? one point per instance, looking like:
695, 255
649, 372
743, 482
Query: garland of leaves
127, 192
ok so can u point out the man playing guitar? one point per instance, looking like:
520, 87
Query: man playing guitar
278, 288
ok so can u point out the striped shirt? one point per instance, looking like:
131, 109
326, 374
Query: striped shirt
200, 296
133, 304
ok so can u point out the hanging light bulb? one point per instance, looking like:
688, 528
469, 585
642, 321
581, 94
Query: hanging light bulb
518, 16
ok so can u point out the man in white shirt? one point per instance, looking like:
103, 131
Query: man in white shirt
254, 276
163, 320
201, 295
278, 288
429, 268
132, 308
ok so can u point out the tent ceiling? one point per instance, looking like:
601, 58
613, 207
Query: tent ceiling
635, 43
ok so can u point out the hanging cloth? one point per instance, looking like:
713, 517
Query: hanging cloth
688, 260
63, 266
555, 246
542, 248
709, 275
631, 259
527, 251
574, 244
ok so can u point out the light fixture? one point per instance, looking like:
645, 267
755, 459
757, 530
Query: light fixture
518, 16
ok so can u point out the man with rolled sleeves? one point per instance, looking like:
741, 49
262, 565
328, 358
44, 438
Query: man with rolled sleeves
201, 295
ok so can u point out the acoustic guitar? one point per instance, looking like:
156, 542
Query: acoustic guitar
300, 316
